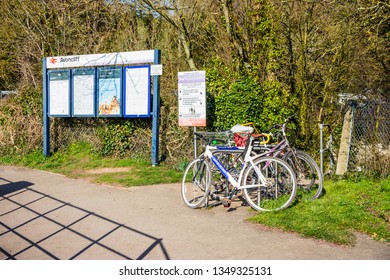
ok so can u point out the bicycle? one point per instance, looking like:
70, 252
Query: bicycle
267, 183
308, 174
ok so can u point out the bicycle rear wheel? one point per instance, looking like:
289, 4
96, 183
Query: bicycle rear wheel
195, 183
308, 174
269, 184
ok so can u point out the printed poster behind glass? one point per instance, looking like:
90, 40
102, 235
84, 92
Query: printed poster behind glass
84, 98
109, 92
59, 93
137, 91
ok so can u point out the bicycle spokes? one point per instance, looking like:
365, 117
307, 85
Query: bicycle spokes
273, 189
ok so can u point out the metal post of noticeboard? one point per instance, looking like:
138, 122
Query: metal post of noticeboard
46, 119
156, 110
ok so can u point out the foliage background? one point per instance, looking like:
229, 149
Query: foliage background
264, 59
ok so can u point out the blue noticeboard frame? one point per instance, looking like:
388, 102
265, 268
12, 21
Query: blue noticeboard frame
109, 92
136, 91
84, 92
59, 88
65, 63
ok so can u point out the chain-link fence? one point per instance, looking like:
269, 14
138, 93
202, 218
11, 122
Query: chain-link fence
370, 138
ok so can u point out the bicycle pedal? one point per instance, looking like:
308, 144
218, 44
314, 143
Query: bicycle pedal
226, 202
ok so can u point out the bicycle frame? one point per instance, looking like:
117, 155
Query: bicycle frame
276, 149
282, 145
248, 160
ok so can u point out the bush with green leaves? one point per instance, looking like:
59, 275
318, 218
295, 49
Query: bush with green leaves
116, 137
247, 100
21, 121
241, 103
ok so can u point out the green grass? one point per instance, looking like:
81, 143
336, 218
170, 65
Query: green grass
80, 161
348, 206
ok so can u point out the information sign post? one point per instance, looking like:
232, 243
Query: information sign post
45, 117
137, 91
59, 93
192, 100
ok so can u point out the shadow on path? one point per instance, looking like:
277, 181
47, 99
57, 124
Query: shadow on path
35, 225
11, 187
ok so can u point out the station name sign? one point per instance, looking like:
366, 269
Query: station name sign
91, 60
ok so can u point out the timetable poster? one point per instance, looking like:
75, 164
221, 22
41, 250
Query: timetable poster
84, 92
109, 91
59, 93
192, 98
137, 92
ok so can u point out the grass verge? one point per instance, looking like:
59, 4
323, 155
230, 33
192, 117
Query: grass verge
346, 207
80, 161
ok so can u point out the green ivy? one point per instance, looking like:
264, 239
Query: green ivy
278, 104
247, 100
240, 104
30, 102
116, 137
20, 121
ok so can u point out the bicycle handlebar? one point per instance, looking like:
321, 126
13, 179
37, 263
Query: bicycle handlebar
290, 118
267, 135
282, 126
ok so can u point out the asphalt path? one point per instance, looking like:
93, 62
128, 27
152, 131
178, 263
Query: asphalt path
49, 216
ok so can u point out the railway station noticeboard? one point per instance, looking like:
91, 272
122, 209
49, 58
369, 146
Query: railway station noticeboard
103, 85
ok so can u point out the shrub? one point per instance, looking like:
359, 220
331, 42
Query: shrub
250, 101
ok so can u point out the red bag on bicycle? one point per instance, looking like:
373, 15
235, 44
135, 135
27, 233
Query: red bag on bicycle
240, 139
241, 134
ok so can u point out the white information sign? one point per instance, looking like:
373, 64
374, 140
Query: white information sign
84, 92
192, 98
137, 91
156, 70
59, 93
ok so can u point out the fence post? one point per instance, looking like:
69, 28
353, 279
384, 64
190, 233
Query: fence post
321, 149
345, 144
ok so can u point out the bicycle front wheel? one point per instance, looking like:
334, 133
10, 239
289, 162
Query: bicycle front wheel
195, 183
269, 184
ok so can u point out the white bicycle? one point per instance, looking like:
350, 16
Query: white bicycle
268, 183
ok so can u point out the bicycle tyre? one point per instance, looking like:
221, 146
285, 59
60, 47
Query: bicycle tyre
280, 189
195, 183
308, 174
